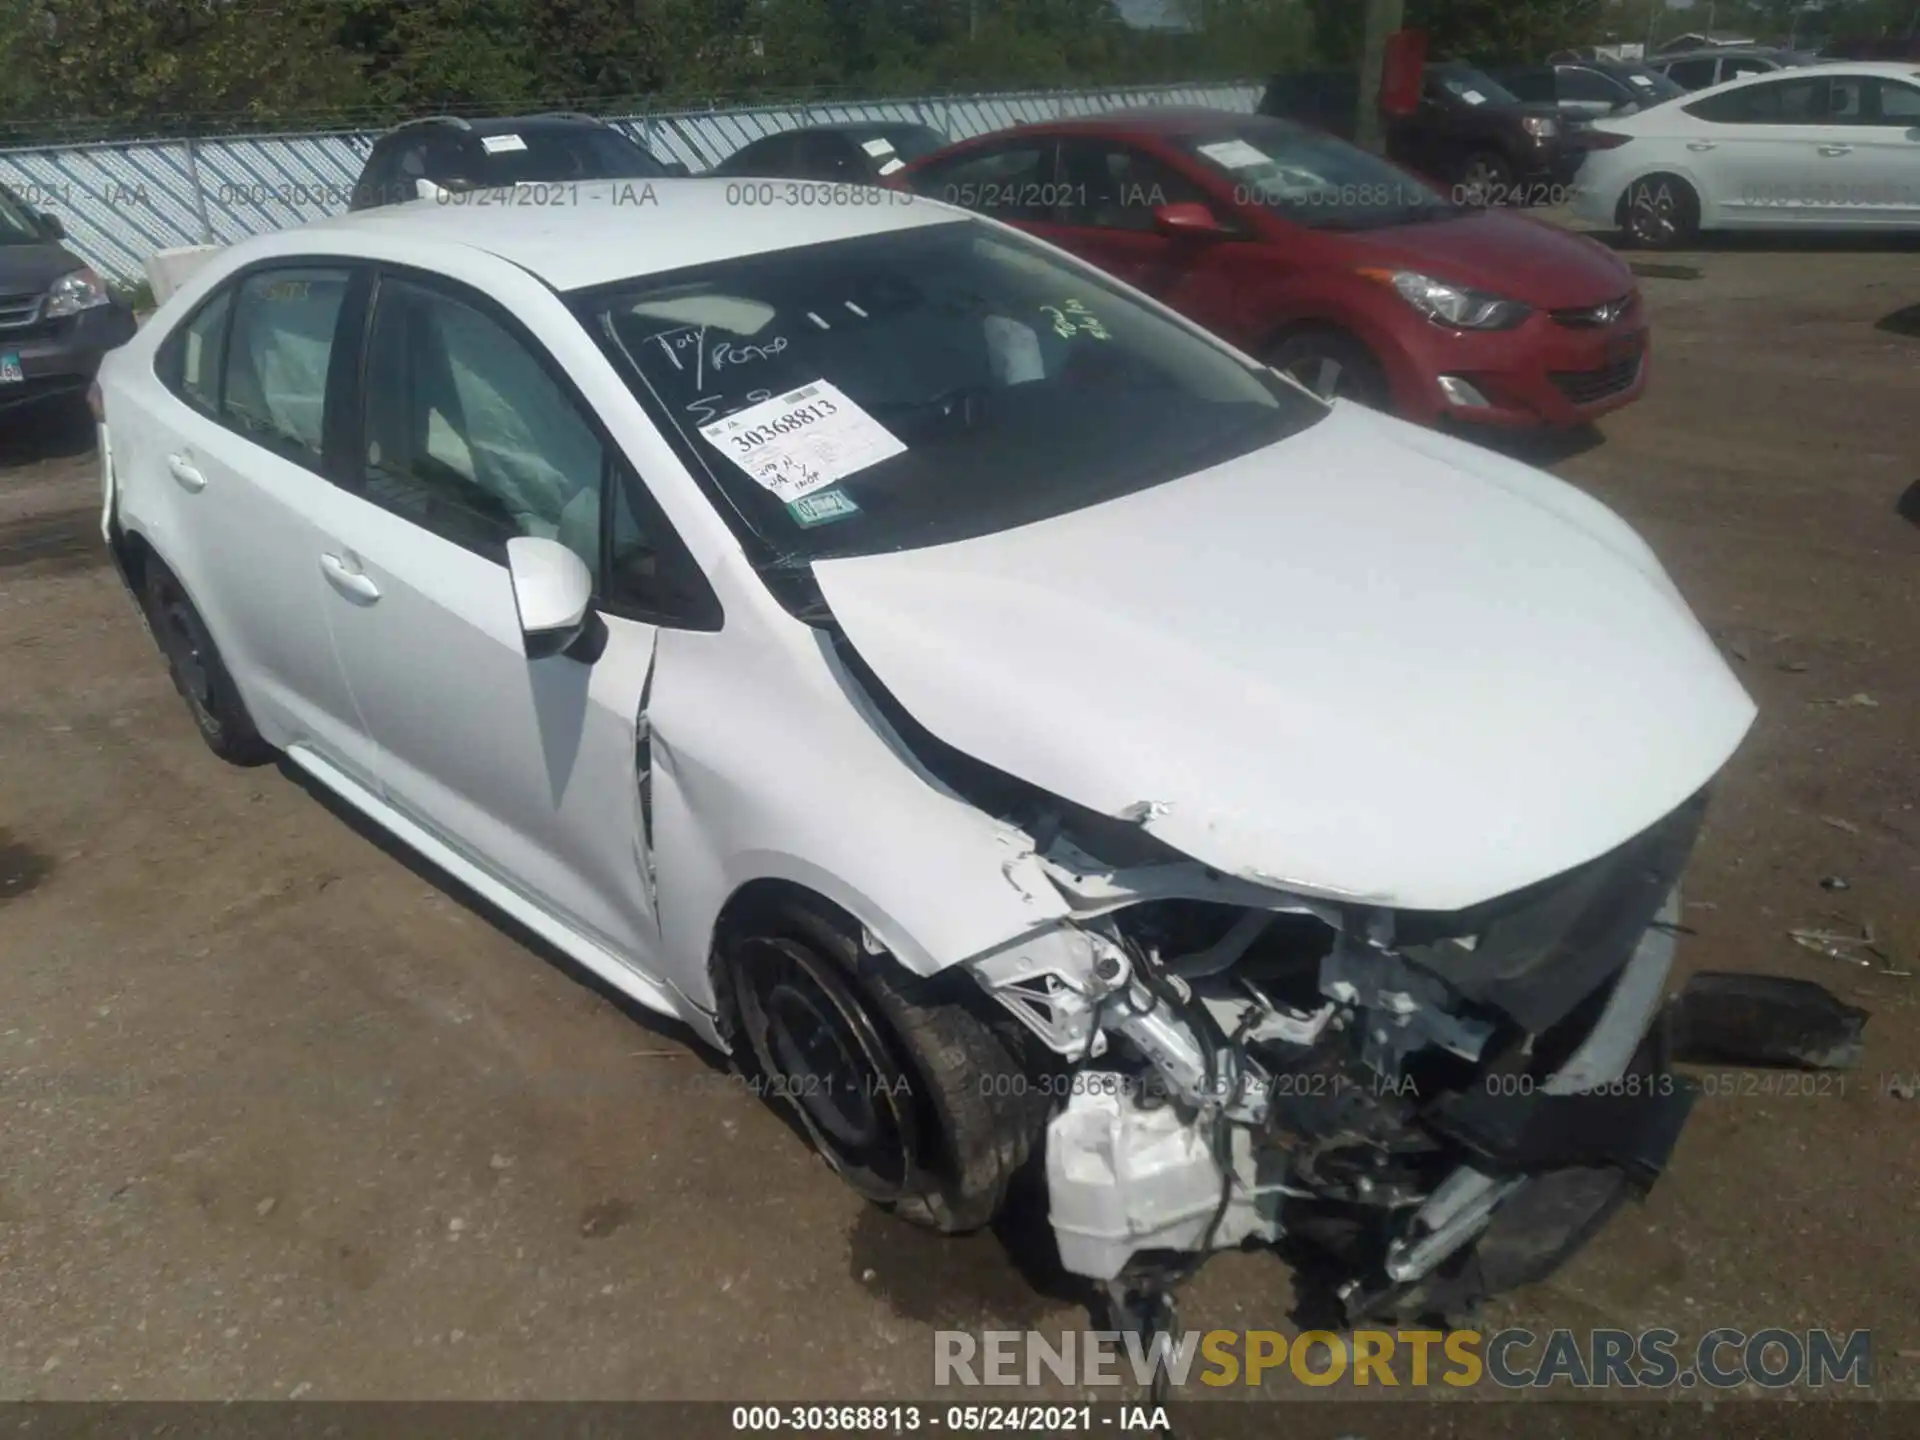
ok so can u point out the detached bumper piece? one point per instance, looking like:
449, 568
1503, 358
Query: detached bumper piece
1764, 1021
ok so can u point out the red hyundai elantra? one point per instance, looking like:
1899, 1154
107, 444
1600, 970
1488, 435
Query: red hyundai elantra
1354, 276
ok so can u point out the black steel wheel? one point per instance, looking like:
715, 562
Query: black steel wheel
919, 1093
199, 674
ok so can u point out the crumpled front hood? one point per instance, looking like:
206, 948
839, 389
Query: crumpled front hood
1369, 661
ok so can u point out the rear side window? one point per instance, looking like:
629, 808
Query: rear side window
1782, 102
282, 343
190, 362
1694, 74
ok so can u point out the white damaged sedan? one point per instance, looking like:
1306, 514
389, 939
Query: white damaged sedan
1014, 724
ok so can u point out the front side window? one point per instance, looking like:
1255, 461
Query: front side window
277, 358
1898, 104
468, 435
1107, 186
925, 385
1692, 74
1312, 178
1008, 182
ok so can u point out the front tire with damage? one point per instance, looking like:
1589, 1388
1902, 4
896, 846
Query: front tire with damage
912, 1089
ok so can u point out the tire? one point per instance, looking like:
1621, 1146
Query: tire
1484, 178
1334, 366
199, 674
952, 1113
1659, 212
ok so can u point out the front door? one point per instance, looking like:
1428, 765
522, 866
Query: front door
1109, 191
527, 767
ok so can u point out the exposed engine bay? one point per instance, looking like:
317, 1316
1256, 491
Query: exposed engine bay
1380, 1082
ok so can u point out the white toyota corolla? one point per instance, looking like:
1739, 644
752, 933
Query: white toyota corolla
1010, 721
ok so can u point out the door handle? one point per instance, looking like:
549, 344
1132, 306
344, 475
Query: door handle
349, 580
1701, 146
187, 473
1836, 149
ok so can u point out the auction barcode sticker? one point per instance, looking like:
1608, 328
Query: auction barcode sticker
803, 441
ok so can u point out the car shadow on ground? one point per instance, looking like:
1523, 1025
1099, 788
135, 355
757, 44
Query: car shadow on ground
1010, 1271
1766, 242
1905, 321
1541, 448
47, 430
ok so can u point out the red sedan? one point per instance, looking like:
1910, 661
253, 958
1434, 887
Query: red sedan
1355, 277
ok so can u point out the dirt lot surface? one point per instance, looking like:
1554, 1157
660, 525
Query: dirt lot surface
281, 1116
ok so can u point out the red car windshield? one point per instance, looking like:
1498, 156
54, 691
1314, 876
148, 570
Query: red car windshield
1314, 179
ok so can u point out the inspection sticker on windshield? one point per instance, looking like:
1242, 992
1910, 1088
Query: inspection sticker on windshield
499, 144
1642, 81
797, 443
820, 507
878, 146
1473, 97
1235, 154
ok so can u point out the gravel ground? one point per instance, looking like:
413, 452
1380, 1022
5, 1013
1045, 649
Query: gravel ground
282, 1116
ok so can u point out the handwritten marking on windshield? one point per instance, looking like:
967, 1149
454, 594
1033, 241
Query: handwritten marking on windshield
854, 308
726, 353
818, 321
1073, 318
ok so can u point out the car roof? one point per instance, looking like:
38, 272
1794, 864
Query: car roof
845, 127
1150, 119
623, 229
506, 124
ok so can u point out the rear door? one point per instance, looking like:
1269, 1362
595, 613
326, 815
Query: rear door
234, 440
1758, 149
469, 435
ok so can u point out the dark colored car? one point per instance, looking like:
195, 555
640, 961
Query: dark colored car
1589, 89
860, 153
57, 317
456, 155
1349, 273
1469, 131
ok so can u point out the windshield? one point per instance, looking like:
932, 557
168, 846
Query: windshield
1475, 87
1314, 179
17, 225
926, 385
561, 155
911, 142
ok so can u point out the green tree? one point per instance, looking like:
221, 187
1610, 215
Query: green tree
157, 63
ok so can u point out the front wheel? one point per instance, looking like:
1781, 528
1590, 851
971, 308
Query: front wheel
912, 1090
1334, 367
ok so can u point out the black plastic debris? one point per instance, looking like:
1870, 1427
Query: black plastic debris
1765, 1021
1834, 882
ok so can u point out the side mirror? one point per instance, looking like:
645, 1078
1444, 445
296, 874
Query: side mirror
52, 226
1188, 218
553, 592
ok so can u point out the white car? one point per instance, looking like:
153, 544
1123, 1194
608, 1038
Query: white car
1831, 145
1000, 714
